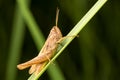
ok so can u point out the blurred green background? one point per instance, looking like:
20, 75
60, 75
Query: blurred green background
94, 55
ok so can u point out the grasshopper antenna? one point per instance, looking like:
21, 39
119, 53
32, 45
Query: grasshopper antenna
57, 14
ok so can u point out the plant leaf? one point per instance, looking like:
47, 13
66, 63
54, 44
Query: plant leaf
77, 28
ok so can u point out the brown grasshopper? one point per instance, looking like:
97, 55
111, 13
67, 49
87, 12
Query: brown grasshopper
46, 52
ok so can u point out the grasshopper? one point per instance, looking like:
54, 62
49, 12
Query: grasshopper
46, 53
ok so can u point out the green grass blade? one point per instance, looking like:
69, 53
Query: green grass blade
15, 45
32, 25
55, 75
78, 27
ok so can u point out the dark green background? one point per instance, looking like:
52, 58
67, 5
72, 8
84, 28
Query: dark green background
94, 55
